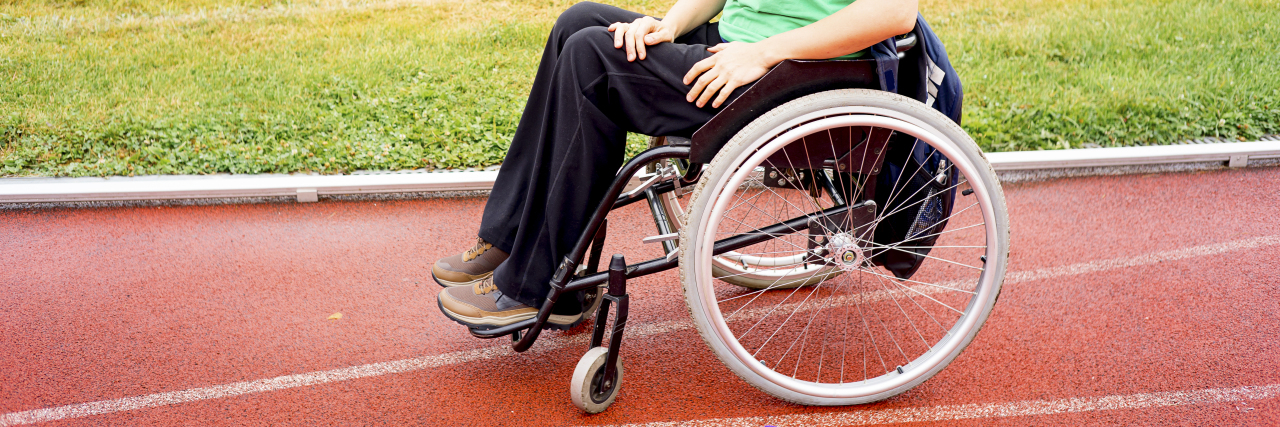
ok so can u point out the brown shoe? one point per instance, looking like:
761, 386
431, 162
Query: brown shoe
483, 306
469, 267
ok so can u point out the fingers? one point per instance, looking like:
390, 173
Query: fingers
630, 40
724, 93
730, 66
698, 68
637, 38
711, 89
619, 30
701, 84
637, 35
661, 33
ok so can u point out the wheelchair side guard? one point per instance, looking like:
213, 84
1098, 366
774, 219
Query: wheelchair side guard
791, 179
845, 150
793, 78
787, 81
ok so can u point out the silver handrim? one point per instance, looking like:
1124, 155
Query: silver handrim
935, 312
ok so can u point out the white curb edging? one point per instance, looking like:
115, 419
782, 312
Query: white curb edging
1237, 154
304, 187
308, 187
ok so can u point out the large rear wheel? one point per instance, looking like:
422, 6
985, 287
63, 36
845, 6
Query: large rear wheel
877, 328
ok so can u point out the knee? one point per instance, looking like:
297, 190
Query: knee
579, 16
592, 37
588, 41
586, 56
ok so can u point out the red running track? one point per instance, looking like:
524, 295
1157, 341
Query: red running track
1131, 300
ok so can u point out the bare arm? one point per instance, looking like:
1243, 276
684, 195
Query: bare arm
858, 26
685, 15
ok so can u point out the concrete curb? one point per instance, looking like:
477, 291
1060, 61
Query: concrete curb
309, 187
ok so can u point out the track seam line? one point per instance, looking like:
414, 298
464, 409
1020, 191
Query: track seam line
427, 362
994, 410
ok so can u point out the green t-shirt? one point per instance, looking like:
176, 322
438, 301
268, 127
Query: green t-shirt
755, 20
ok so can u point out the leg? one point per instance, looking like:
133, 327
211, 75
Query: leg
571, 141
506, 202
498, 230
566, 151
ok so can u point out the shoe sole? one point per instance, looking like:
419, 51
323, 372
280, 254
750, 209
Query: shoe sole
556, 321
577, 318
448, 284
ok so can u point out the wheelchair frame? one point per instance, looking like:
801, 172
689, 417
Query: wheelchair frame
788, 80
772, 90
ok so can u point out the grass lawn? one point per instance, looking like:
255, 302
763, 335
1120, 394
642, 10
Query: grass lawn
122, 87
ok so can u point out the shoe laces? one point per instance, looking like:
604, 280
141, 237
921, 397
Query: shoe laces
476, 250
485, 287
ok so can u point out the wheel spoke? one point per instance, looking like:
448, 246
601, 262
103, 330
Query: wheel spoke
918, 291
813, 302
901, 208
913, 301
910, 238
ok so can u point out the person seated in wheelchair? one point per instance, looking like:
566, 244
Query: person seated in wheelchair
605, 72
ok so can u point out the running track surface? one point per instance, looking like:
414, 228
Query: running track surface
1148, 299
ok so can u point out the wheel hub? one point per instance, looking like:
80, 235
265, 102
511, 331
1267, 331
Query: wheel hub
844, 252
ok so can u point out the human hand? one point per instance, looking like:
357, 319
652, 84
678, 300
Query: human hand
642, 32
733, 65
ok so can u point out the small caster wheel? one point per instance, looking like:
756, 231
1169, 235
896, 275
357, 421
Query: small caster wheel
586, 390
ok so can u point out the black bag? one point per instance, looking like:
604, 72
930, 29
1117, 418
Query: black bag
922, 201
923, 73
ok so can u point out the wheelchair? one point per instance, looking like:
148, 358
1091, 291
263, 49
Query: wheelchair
837, 244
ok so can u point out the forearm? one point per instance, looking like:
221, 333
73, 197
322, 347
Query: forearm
686, 15
858, 26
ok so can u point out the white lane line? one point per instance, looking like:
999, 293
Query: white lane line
428, 362
994, 410
310, 378
246, 387
1148, 259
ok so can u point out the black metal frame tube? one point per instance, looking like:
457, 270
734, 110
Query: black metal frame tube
563, 281
660, 220
658, 265
830, 187
570, 262
617, 294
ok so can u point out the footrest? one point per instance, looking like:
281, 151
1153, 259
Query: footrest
502, 331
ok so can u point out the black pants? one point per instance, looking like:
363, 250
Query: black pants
571, 139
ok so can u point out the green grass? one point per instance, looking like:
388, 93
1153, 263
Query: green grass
101, 87
1059, 74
